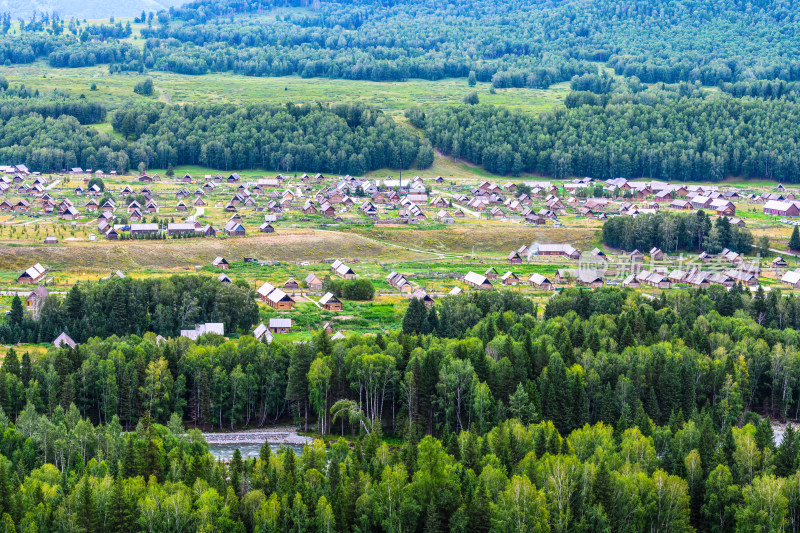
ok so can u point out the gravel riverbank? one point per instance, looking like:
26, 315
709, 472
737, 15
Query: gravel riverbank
282, 435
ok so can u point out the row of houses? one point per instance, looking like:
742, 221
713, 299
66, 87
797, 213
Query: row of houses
783, 208
342, 270
274, 297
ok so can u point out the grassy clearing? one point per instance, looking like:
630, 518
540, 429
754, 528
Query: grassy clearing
393, 98
35, 350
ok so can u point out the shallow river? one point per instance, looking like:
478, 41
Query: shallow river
225, 451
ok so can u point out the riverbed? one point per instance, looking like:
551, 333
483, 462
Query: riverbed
225, 451
222, 445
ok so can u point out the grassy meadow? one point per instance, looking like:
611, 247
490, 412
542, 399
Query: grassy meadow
393, 98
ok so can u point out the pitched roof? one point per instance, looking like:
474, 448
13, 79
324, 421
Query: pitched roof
279, 296
265, 289
144, 227
589, 276
538, 279
558, 248
477, 279
39, 293
792, 277
35, 271
328, 298
232, 225
63, 339
263, 331
312, 278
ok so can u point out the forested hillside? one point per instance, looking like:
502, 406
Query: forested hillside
644, 77
529, 43
613, 413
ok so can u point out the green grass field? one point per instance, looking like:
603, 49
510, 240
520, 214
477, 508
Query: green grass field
393, 98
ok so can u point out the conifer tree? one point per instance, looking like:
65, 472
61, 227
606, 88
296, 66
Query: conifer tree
5, 489
86, 516
432, 321
415, 317
17, 312
119, 519
11, 363
786, 456
25, 368
794, 240
479, 510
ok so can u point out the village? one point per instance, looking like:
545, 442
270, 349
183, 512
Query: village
84, 208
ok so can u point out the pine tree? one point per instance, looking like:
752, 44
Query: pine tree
5, 489
297, 386
580, 402
5, 396
764, 435
651, 405
17, 312
11, 363
433, 522
74, 303
626, 340
556, 399
236, 468
520, 406
86, 517
323, 343
415, 317
129, 465
265, 452
67, 393
479, 510
786, 457
794, 240
433, 321
119, 519
25, 368
445, 323
602, 489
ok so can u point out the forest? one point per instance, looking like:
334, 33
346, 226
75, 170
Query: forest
683, 139
50, 132
511, 44
132, 307
612, 413
672, 232
343, 138
692, 101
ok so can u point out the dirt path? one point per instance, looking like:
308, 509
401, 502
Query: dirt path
200, 211
313, 301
